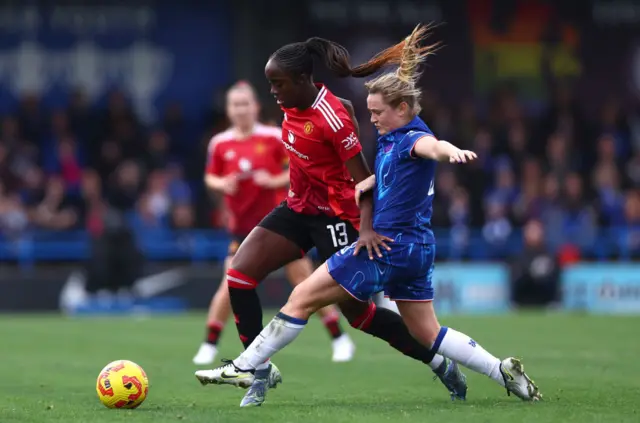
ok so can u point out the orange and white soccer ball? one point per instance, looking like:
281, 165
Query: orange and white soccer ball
122, 384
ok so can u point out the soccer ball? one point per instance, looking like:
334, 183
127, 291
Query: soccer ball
122, 384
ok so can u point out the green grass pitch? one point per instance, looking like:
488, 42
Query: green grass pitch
587, 368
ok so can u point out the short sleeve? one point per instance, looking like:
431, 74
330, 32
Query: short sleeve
408, 142
345, 139
214, 159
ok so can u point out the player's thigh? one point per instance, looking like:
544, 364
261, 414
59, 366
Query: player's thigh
279, 239
297, 271
317, 291
330, 235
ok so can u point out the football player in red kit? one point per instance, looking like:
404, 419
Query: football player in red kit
321, 137
248, 163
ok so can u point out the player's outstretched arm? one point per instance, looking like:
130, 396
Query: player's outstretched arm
428, 147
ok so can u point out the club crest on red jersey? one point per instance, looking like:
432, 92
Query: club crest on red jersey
308, 128
260, 148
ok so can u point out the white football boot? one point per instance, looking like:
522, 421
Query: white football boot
517, 381
205, 355
229, 374
343, 349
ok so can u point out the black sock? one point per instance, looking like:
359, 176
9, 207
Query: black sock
246, 305
385, 324
248, 313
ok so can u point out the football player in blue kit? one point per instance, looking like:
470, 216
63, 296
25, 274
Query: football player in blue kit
403, 192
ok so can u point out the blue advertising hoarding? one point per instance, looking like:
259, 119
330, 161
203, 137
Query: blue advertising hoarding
471, 288
608, 288
171, 51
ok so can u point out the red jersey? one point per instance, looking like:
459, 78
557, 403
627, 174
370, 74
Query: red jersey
261, 151
319, 140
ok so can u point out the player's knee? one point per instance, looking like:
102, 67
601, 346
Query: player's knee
424, 331
301, 303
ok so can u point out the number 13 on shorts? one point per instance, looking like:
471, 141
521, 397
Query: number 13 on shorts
339, 234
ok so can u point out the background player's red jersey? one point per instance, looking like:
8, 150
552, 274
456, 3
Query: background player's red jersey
319, 140
261, 151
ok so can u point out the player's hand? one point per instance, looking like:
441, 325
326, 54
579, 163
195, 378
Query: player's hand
262, 178
462, 156
230, 186
372, 241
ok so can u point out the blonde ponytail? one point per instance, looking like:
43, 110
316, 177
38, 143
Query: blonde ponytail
400, 86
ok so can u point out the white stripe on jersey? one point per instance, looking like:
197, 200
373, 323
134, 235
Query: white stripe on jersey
331, 124
321, 94
332, 114
323, 106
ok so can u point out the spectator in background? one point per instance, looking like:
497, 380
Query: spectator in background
158, 150
82, 120
125, 186
535, 272
609, 198
504, 190
182, 217
13, 217
32, 118
577, 225
445, 186
155, 203
66, 162
560, 160
497, 229
633, 170
517, 145
108, 159
9, 180
54, 211
613, 123
459, 218
177, 130
630, 237
529, 203
467, 124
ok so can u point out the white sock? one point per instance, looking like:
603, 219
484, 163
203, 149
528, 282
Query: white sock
279, 333
460, 348
436, 362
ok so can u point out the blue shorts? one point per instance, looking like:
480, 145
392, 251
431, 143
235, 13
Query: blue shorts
404, 273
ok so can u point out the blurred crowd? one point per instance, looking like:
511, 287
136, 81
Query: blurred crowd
82, 167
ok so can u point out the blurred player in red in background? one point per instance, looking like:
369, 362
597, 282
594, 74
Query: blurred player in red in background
248, 163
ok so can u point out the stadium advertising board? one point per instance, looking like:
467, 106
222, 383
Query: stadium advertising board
608, 288
471, 288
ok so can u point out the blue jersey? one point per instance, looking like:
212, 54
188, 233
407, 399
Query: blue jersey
403, 197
